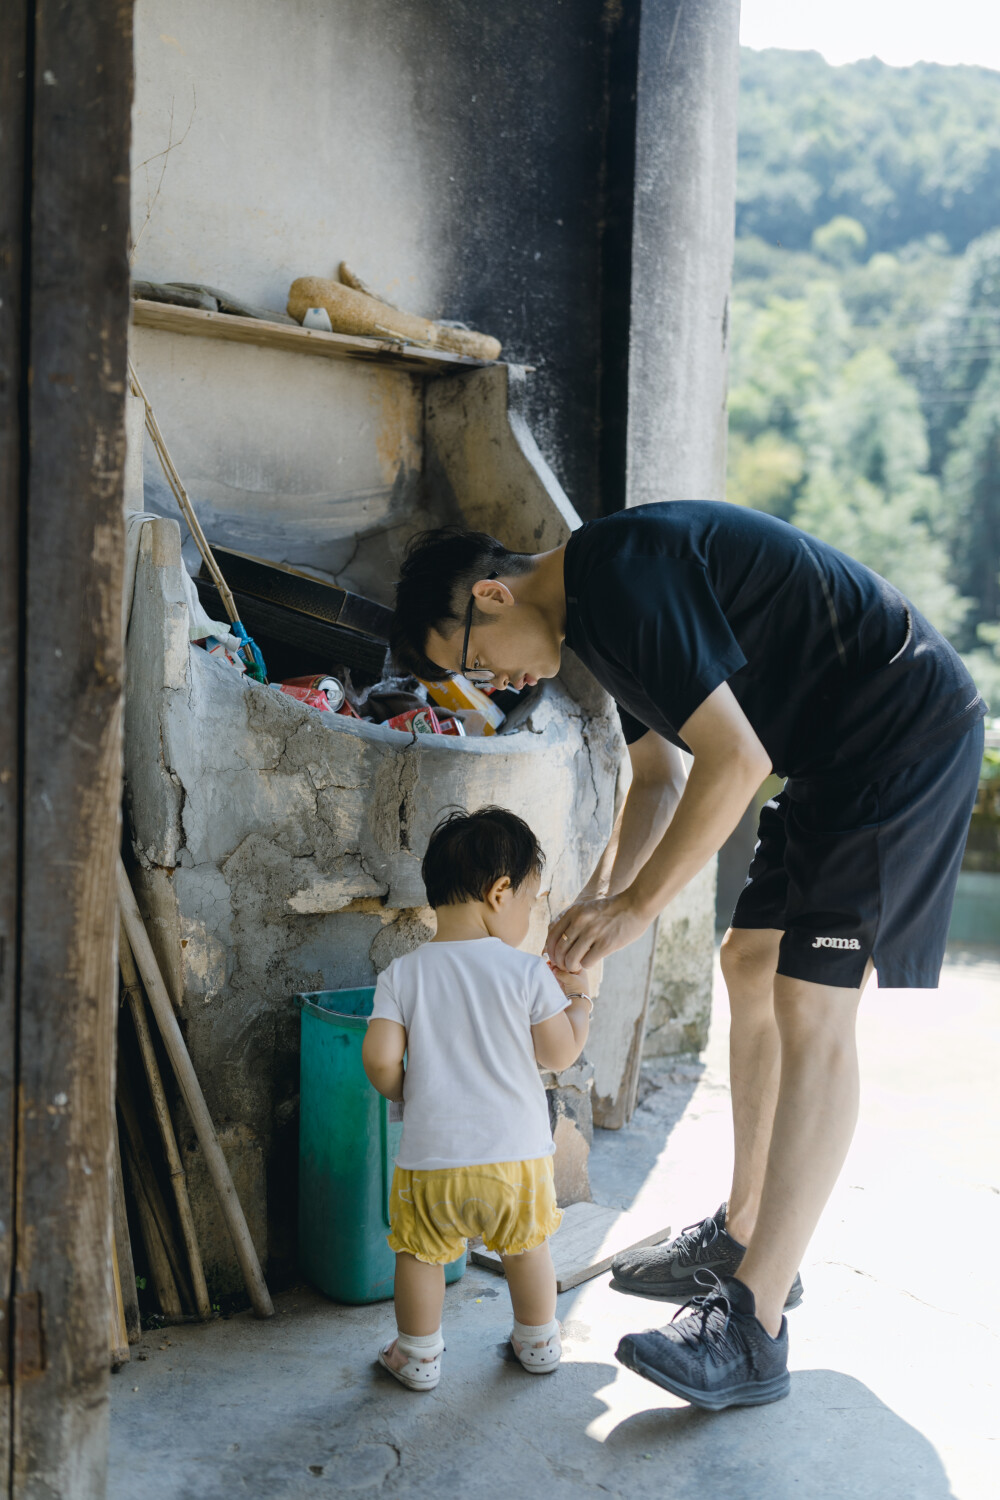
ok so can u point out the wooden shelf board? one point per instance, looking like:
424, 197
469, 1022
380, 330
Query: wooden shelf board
588, 1241
294, 340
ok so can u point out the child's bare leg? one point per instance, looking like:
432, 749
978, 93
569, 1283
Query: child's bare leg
419, 1299
531, 1278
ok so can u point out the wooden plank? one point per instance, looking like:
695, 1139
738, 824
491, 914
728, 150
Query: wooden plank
142, 1174
13, 451
123, 1247
157, 1258
168, 1140
118, 1338
587, 1242
76, 290
214, 325
617, 1030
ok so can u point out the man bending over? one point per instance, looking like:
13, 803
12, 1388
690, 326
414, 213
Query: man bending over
736, 637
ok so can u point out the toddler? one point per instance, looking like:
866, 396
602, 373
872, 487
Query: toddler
475, 1018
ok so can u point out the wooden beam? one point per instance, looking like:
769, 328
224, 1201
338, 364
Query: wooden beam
13, 169
74, 126
171, 1152
211, 325
123, 1247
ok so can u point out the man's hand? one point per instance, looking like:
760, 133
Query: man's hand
573, 983
729, 765
591, 930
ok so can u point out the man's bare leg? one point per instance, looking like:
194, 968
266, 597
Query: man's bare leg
814, 1121
749, 958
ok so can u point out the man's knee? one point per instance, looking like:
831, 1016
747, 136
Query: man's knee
816, 1018
749, 959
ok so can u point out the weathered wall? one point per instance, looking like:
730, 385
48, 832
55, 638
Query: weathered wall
277, 855
303, 461
451, 151
680, 997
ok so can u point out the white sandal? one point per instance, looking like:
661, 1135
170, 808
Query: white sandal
419, 1373
537, 1357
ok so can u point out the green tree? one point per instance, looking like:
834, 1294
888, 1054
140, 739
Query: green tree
865, 392
783, 354
841, 242
961, 344
867, 491
971, 482
905, 151
765, 472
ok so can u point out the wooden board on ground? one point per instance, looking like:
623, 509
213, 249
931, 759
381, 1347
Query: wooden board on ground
587, 1242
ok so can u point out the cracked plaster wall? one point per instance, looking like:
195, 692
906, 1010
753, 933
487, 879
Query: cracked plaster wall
271, 472
680, 992
276, 855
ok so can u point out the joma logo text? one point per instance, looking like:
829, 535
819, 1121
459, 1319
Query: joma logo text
836, 943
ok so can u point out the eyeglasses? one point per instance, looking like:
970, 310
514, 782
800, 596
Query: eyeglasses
478, 676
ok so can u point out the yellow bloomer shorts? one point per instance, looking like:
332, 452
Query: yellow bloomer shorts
512, 1204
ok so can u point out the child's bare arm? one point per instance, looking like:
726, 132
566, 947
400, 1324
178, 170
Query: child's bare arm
559, 1041
382, 1056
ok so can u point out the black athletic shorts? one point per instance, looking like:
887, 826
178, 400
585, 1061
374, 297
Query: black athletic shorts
867, 871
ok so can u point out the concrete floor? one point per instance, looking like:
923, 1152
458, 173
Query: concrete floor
894, 1350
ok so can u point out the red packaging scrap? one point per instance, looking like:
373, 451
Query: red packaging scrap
453, 726
416, 721
331, 686
315, 697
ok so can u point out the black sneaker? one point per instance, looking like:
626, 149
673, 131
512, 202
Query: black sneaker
719, 1355
669, 1271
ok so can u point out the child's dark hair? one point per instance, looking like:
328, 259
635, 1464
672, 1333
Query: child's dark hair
469, 852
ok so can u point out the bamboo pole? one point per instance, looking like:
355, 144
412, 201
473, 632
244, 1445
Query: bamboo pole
180, 494
123, 1242
129, 1113
187, 1079
119, 1332
251, 653
164, 1284
178, 1177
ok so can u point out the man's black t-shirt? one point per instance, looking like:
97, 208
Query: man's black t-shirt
838, 674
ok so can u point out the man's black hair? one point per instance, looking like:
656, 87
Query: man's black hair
435, 582
469, 852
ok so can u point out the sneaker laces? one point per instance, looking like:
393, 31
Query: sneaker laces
709, 1324
695, 1238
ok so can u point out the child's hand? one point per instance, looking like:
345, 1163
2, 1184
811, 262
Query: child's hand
572, 984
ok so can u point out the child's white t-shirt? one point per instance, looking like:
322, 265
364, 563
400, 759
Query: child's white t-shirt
472, 1092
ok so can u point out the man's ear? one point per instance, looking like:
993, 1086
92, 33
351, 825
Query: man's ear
498, 893
492, 595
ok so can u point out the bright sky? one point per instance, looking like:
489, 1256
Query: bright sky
900, 32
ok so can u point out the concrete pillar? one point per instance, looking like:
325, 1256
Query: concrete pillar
681, 268
682, 249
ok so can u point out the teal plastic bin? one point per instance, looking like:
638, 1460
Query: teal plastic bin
347, 1148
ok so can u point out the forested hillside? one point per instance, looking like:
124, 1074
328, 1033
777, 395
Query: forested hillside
865, 380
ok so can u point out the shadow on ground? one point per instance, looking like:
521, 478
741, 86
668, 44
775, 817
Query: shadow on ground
491, 1429
832, 1437
666, 1087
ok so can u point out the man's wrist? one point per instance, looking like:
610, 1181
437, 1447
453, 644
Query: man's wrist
637, 904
